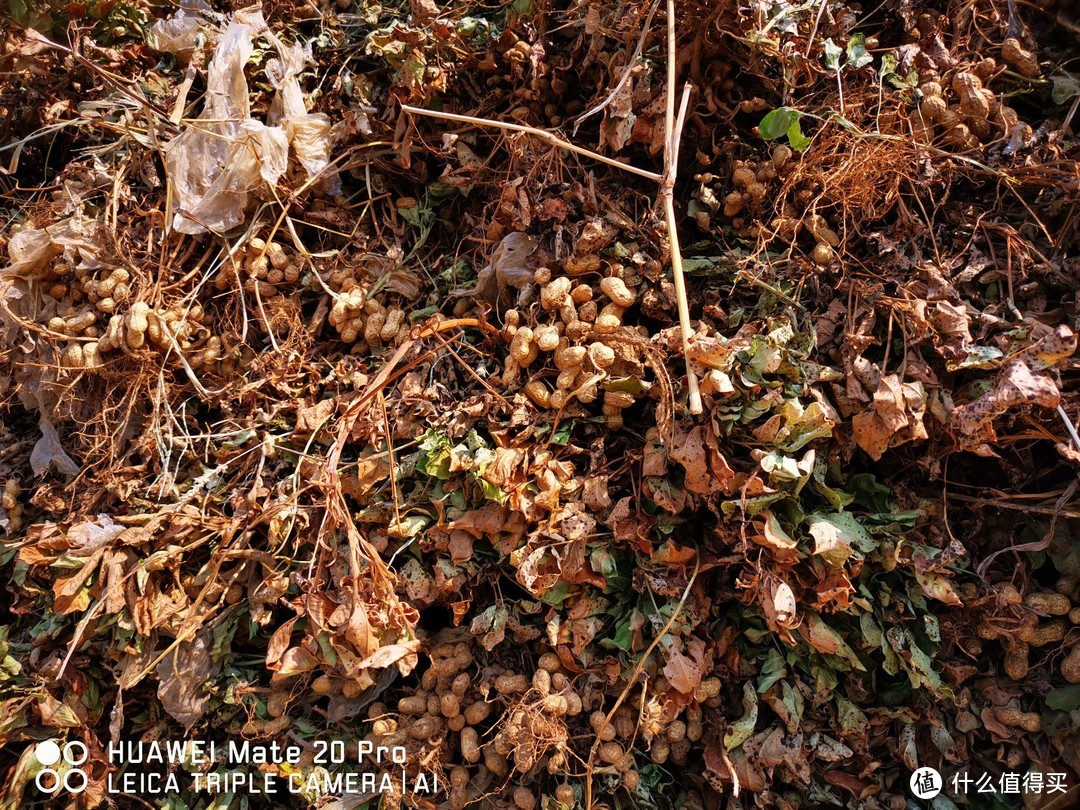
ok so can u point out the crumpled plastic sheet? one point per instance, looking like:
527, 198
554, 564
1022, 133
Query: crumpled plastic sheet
223, 157
31, 250
90, 535
176, 35
308, 133
47, 452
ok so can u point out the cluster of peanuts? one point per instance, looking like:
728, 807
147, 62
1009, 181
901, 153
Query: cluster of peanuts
358, 318
975, 115
361, 320
534, 732
1042, 618
751, 180
87, 299
99, 317
446, 703
672, 738
825, 238
578, 338
264, 267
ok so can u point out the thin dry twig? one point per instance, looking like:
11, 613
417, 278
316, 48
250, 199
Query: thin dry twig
626, 71
539, 133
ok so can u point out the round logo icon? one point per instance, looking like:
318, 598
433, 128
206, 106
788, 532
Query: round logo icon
49, 753
925, 783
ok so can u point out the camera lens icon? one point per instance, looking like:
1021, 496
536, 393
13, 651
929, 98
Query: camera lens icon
72, 754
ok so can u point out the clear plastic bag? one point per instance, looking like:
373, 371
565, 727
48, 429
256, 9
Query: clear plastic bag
219, 160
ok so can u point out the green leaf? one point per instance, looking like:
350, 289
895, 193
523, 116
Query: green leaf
919, 665
773, 669
416, 216
869, 494
871, 632
889, 71
1065, 87
795, 137
492, 492
562, 435
776, 123
832, 54
624, 633
557, 594
849, 716
435, 455
889, 64
857, 56
1065, 699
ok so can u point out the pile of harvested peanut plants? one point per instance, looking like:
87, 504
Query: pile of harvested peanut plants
341, 426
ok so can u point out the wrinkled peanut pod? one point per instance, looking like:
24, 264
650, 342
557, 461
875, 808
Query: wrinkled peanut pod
1048, 604
470, 744
426, 727
566, 378
601, 355
609, 319
80, 322
616, 289
522, 347
496, 762
564, 795
1016, 661
556, 705
1070, 667
570, 357
72, 356
1025, 62
618, 399
478, 712
511, 684
276, 254
581, 294
524, 798
554, 293
394, 319
373, 327
414, 704
822, 254
91, 355
612, 753
547, 338
538, 393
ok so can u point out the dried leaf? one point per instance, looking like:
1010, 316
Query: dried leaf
682, 672
938, 587
183, 677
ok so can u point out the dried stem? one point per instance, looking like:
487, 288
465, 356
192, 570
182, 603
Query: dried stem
539, 133
667, 195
